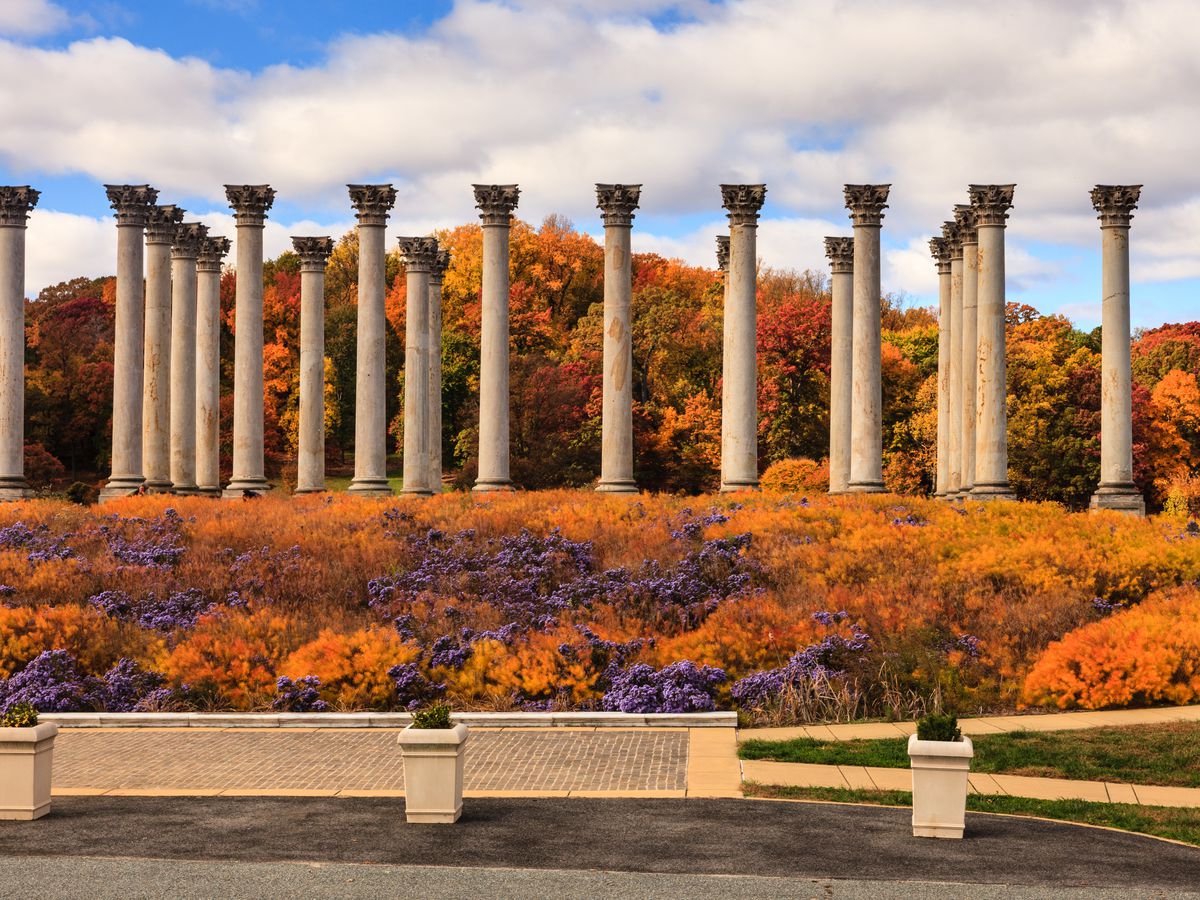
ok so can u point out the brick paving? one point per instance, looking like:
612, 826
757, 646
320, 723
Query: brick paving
369, 760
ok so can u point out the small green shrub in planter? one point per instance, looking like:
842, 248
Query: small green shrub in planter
436, 716
20, 715
938, 727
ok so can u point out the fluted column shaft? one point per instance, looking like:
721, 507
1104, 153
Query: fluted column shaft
1116, 203
310, 456
156, 355
991, 204
954, 445
866, 203
739, 394
617, 203
132, 205
496, 203
941, 253
208, 364
183, 358
15, 204
419, 255
434, 425
250, 204
840, 251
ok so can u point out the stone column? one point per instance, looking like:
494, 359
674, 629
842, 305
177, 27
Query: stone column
132, 203
250, 203
420, 256
310, 458
496, 203
15, 204
372, 202
208, 364
188, 241
866, 203
617, 203
840, 251
964, 217
156, 355
941, 252
953, 238
991, 203
434, 452
739, 389
1115, 203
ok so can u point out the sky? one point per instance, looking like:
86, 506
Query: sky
678, 95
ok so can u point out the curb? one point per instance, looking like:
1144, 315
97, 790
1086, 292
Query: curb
390, 720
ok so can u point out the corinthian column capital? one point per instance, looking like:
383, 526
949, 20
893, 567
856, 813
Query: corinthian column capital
313, 252
1116, 203
617, 202
840, 251
189, 238
991, 202
496, 202
965, 217
212, 254
419, 254
162, 223
372, 202
250, 202
743, 202
441, 264
867, 202
939, 248
15, 204
952, 237
723, 252
131, 202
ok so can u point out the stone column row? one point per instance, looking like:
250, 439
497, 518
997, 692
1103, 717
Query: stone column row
189, 240
964, 218
941, 254
953, 237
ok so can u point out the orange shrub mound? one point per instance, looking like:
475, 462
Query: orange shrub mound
89, 636
233, 657
1144, 655
796, 476
352, 667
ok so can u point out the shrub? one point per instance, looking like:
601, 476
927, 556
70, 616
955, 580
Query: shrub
681, 687
796, 476
436, 716
353, 669
19, 715
938, 727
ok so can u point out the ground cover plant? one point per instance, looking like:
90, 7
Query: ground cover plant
1174, 823
785, 607
1167, 754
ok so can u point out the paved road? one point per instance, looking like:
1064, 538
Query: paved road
671, 837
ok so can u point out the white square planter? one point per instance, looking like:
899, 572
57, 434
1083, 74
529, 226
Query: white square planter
433, 773
26, 758
939, 777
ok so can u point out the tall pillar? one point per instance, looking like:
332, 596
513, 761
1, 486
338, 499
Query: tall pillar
156, 359
1115, 203
250, 203
434, 452
616, 203
991, 203
419, 255
372, 202
184, 252
739, 389
866, 203
132, 203
310, 458
840, 251
953, 238
15, 204
208, 364
496, 203
941, 253
964, 217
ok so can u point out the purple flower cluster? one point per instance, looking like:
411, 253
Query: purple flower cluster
1103, 605
912, 519
447, 651
413, 689
151, 543
40, 542
301, 695
830, 657
177, 610
968, 644
52, 682
682, 687
691, 528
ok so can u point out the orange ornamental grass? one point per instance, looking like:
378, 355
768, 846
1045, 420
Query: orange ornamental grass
91, 637
1145, 655
352, 667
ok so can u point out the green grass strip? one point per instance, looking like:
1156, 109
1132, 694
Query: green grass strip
1179, 824
1167, 754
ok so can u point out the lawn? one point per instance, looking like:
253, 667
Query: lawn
1167, 754
1159, 821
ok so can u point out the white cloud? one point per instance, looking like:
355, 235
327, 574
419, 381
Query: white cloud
31, 18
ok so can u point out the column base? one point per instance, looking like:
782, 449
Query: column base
14, 488
157, 486
121, 486
185, 490
866, 487
245, 488
209, 491
618, 486
730, 486
997, 491
370, 486
311, 490
1124, 498
490, 485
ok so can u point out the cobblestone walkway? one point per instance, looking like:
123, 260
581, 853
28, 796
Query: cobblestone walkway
340, 760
